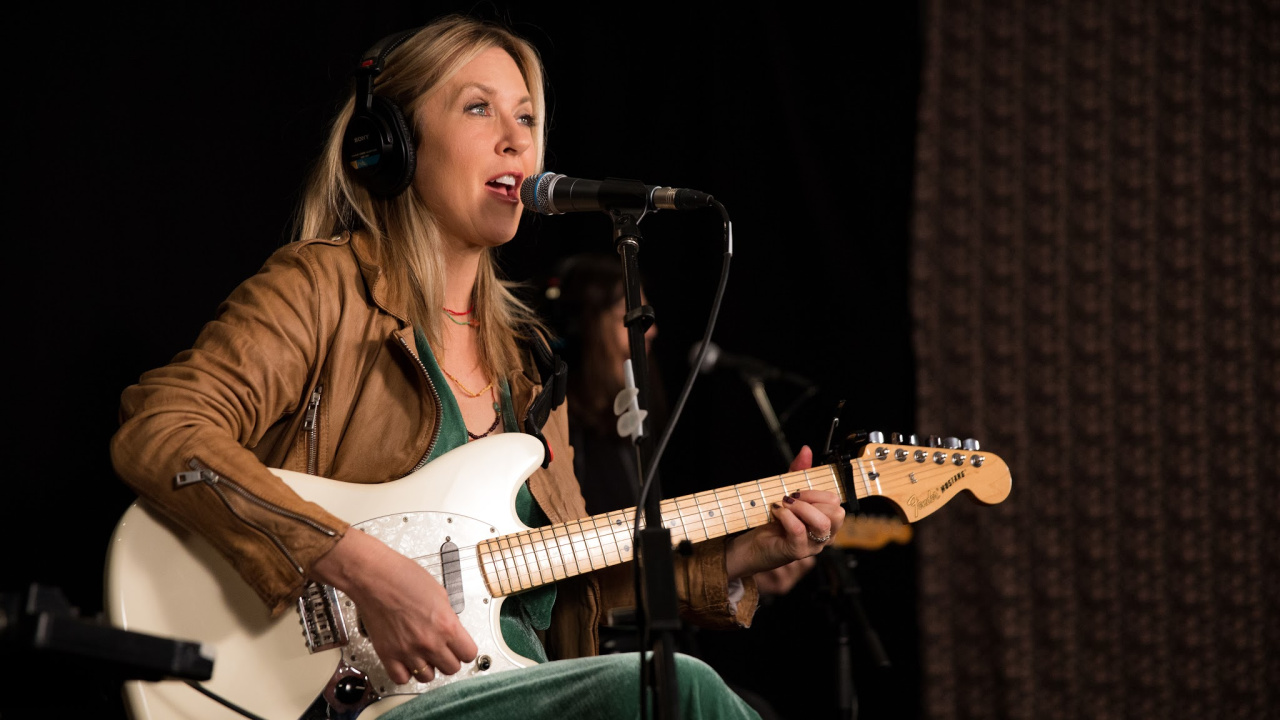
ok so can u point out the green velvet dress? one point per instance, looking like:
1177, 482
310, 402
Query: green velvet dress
605, 686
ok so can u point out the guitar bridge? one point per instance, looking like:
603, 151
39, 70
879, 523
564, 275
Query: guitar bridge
321, 617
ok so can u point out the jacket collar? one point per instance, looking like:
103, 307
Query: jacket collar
369, 256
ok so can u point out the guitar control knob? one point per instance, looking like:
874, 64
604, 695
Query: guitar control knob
951, 443
971, 444
350, 689
484, 662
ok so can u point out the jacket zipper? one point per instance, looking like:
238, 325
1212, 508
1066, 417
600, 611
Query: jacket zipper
201, 473
311, 427
435, 432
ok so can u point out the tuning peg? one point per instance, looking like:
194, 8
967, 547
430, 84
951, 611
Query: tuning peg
895, 438
951, 443
914, 440
970, 444
875, 436
934, 441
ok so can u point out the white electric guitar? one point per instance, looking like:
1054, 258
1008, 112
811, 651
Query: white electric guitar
456, 517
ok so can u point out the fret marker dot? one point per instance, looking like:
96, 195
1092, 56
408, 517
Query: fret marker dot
711, 513
617, 522
753, 503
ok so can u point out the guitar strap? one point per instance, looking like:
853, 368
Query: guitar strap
553, 374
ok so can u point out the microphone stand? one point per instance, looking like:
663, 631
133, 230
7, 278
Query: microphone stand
657, 611
846, 605
770, 417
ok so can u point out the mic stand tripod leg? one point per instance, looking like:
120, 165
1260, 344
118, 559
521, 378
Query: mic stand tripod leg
848, 605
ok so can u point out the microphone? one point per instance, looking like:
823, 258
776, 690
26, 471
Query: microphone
550, 193
748, 367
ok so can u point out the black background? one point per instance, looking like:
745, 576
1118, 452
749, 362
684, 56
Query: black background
156, 155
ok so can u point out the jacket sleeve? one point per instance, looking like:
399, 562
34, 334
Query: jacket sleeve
201, 413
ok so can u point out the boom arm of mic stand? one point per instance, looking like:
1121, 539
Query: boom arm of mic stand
770, 418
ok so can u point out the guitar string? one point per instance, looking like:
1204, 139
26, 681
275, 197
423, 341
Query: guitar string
675, 518
529, 540
674, 515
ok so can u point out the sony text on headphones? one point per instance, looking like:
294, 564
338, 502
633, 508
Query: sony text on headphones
377, 147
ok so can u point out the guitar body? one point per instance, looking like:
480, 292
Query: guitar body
166, 581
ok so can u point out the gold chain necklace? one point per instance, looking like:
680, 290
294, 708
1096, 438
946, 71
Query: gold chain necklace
464, 388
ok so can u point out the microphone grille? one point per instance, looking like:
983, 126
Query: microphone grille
535, 192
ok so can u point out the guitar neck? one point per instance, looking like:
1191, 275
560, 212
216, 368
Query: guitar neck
529, 559
919, 480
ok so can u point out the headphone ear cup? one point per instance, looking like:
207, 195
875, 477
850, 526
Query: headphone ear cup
378, 148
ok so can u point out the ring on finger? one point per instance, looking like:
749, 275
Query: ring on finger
817, 539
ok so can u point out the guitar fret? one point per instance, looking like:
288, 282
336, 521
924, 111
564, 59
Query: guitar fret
863, 472
528, 548
501, 566
680, 513
544, 548
742, 504
671, 515
604, 536
572, 552
720, 507
625, 550
764, 501
555, 543
504, 555
586, 540
616, 525
702, 517
488, 568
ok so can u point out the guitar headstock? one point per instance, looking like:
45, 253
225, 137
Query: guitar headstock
920, 478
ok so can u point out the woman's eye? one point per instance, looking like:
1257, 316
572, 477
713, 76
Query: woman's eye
529, 119
478, 108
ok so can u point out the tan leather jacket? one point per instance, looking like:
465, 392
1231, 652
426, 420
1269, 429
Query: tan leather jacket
311, 366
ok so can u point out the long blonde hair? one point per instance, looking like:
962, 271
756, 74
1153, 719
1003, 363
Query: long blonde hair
404, 230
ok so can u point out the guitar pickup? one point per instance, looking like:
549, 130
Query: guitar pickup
321, 617
451, 572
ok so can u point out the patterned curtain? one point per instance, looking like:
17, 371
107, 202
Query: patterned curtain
1096, 298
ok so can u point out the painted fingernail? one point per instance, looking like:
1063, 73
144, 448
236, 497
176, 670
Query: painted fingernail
776, 505
788, 500
795, 494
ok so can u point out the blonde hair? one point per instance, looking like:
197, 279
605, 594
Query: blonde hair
403, 229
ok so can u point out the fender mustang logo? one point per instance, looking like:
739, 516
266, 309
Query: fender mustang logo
920, 503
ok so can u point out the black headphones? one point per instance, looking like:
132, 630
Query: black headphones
377, 147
